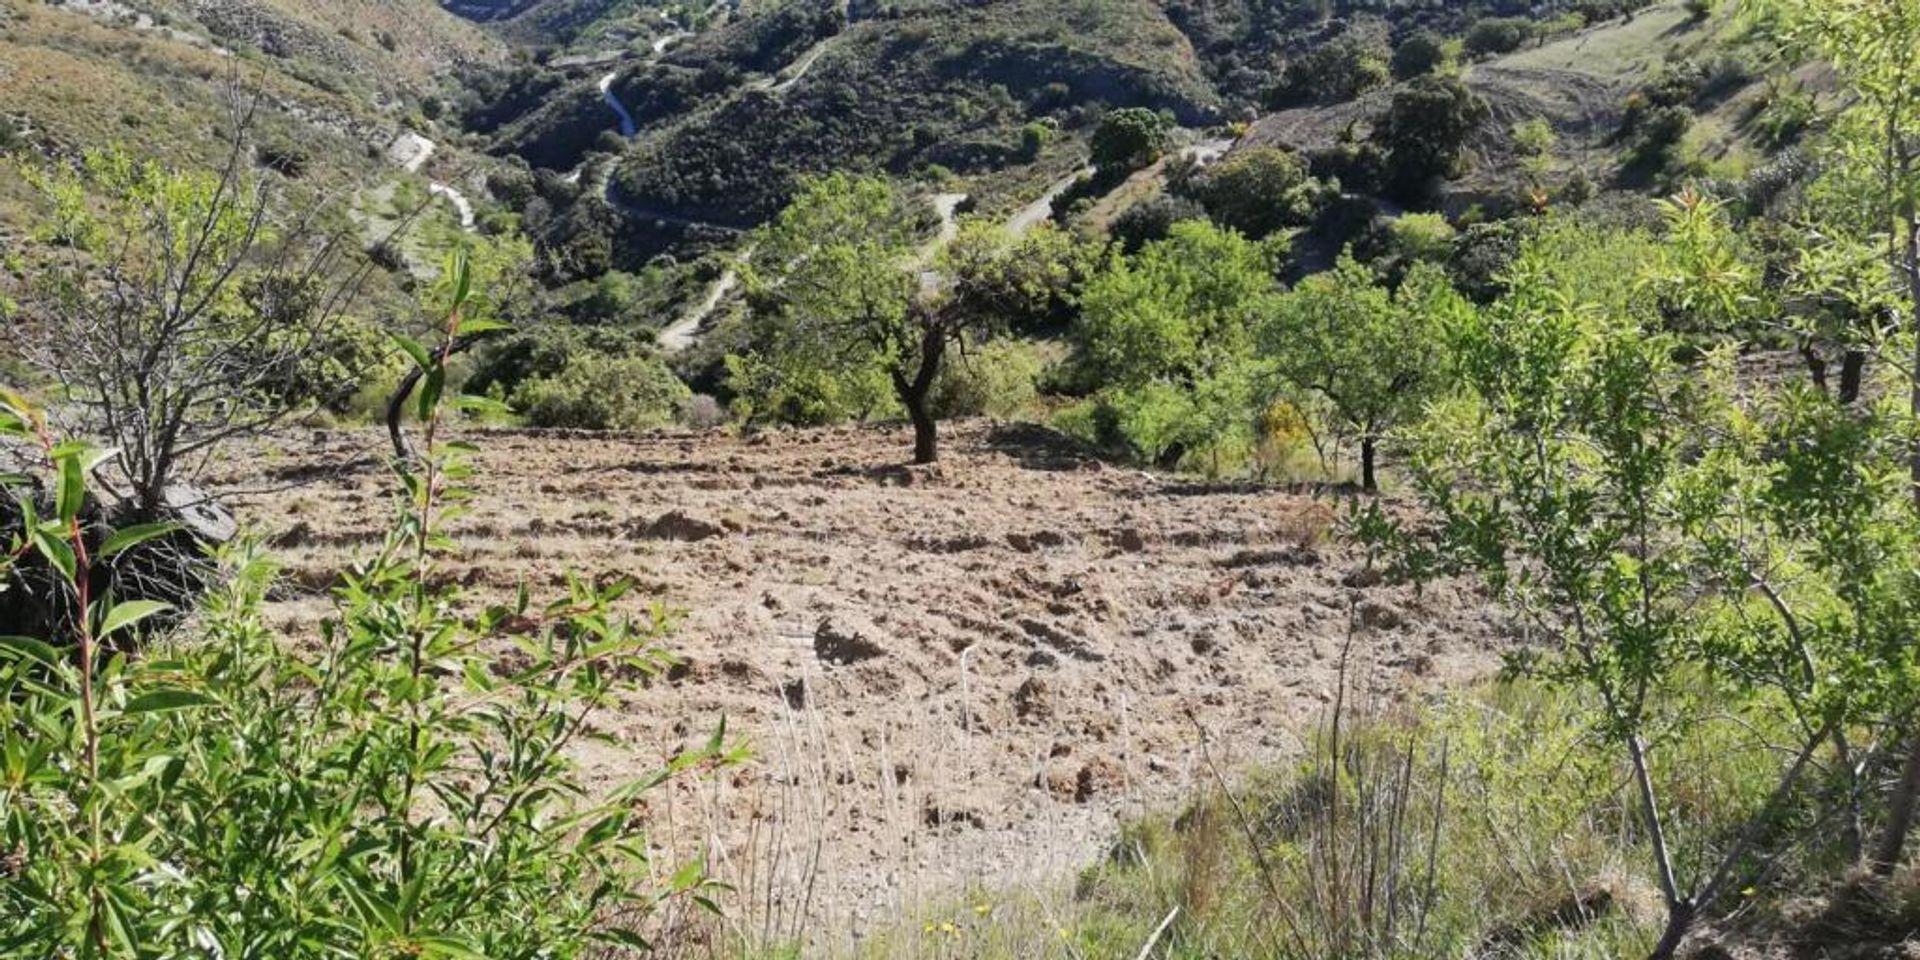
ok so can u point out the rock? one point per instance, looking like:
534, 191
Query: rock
199, 514
794, 691
676, 525
1032, 542
845, 641
934, 815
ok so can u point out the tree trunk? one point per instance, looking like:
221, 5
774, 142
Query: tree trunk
1900, 806
1816, 365
1169, 459
1900, 809
1679, 921
915, 393
397, 411
1367, 450
926, 440
1853, 367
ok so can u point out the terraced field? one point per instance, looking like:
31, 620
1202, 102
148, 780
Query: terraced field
989, 662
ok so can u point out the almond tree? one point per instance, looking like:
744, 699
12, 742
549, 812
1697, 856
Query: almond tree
174, 307
1369, 352
1643, 520
1872, 193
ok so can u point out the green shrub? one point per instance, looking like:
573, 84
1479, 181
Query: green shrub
1257, 190
1422, 52
1034, 137
1151, 220
1128, 139
769, 389
1424, 237
996, 379
1331, 73
1533, 138
1496, 35
599, 393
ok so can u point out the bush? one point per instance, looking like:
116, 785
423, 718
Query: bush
1421, 53
777, 389
996, 380
702, 412
1425, 132
597, 393
1660, 130
1360, 166
1424, 237
1034, 137
1128, 139
1150, 220
1331, 73
1496, 35
1257, 190
1533, 138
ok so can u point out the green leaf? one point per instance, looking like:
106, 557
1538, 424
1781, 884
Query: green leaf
688, 876
30, 648
471, 327
448, 947
70, 490
124, 615
462, 278
436, 381
57, 551
128, 537
167, 699
413, 348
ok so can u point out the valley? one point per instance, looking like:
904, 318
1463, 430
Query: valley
959, 479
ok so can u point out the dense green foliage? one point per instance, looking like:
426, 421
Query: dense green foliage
1128, 139
1167, 335
1366, 352
598, 393
394, 790
1256, 191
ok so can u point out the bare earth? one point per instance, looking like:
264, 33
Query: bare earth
955, 677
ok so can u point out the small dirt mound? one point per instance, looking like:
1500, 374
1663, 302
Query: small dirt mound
843, 641
675, 525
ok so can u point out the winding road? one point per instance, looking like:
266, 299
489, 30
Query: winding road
410, 151
1041, 210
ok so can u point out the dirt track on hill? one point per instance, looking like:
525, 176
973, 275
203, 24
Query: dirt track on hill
952, 676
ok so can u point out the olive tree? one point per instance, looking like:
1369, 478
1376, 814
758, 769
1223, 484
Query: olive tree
1425, 131
842, 285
